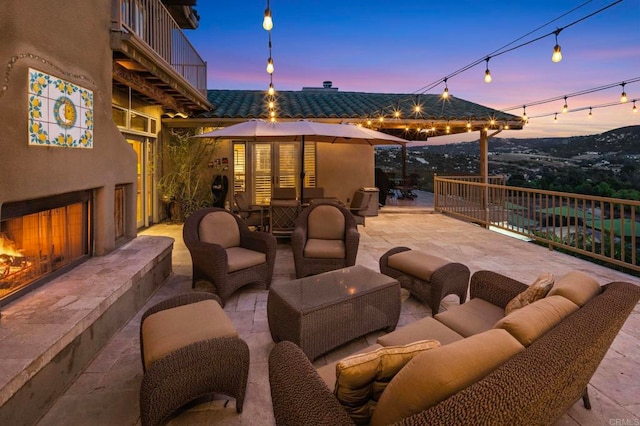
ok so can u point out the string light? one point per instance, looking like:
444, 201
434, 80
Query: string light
623, 96
634, 109
445, 94
487, 73
557, 52
555, 118
267, 23
565, 107
590, 112
524, 113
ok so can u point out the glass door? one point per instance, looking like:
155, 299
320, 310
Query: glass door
145, 195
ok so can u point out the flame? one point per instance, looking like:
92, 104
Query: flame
8, 247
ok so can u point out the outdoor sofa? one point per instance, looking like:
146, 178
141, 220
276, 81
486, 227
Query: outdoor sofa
537, 385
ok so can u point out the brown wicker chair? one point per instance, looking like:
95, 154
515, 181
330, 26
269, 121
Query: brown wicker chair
325, 238
225, 252
199, 368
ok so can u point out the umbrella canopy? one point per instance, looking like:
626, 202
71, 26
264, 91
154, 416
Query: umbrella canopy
260, 130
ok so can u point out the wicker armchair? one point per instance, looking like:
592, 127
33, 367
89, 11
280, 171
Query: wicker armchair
325, 238
225, 252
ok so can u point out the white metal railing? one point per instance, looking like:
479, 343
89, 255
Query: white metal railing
150, 21
606, 229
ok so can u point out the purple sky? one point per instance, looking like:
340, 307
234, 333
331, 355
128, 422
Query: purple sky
402, 46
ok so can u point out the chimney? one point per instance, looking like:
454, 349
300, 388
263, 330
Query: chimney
327, 84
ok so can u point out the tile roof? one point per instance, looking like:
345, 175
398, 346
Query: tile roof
334, 105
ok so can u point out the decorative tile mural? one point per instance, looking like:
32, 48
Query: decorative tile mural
60, 113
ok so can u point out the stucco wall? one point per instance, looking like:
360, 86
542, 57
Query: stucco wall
342, 169
69, 40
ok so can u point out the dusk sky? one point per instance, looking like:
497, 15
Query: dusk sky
403, 46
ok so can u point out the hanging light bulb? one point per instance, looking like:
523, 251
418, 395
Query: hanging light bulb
555, 118
565, 107
634, 109
445, 94
272, 104
272, 90
270, 66
590, 113
487, 73
267, 23
468, 124
557, 52
524, 113
623, 96
396, 113
417, 108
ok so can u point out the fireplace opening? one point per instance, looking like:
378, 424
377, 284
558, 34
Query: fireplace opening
39, 239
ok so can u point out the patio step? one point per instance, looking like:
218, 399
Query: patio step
49, 336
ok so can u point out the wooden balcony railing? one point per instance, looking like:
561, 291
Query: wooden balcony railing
606, 229
150, 22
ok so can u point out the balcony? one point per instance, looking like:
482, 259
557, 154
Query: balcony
107, 391
154, 57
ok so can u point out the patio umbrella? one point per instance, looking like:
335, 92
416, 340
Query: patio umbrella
260, 130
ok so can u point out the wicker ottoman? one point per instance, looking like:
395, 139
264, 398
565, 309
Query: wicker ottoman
428, 278
324, 311
189, 349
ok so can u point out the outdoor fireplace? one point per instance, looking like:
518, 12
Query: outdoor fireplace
41, 238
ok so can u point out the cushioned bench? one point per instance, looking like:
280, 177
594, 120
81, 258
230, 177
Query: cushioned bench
428, 278
189, 349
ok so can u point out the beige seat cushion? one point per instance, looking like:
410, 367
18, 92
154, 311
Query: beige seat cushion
239, 258
328, 372
535, 291
362, 378
577, 287
424, 329
326, 222
434, 375
219, 228
473, 317
168, 330
529, 323
416, 263
325, 249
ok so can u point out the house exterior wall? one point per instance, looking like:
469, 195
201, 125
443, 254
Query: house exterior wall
79, 52
342, 169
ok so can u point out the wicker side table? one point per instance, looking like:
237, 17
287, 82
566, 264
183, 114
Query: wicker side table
324, 311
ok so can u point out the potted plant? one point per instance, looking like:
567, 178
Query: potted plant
182, 189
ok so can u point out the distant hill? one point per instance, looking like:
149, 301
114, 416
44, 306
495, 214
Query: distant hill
622, 141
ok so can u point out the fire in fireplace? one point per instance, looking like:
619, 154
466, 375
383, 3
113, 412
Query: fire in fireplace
40, 237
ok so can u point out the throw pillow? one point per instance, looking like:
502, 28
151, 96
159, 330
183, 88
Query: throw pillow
361, 378
539, 289
577, 287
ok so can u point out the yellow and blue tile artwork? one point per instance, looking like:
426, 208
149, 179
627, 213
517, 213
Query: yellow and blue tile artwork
60, 112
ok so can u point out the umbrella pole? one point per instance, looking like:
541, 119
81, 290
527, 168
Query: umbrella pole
302, 172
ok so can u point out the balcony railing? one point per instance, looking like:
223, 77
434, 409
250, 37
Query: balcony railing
150, 22
606, 229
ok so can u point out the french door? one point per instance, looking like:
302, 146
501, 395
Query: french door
143, 148
274, 164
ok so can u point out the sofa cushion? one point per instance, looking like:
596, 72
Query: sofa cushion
326, 222
325, 249
361, 379
535, 291
473, 317
423, 329
416, 263
577, 287
529, 323
328, 372
171, 329
435, 375
219, 228
239, 258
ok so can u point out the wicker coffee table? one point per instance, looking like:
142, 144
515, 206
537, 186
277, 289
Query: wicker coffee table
321, 312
